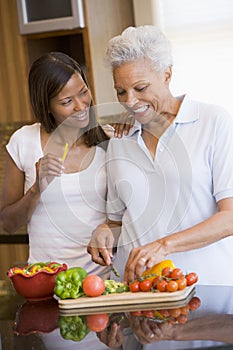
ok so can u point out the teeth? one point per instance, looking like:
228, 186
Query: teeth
141, 109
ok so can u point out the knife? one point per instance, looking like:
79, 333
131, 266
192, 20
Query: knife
114, 270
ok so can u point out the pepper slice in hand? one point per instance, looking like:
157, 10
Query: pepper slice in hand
68, 284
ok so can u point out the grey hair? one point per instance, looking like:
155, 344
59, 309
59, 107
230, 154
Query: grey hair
140, 42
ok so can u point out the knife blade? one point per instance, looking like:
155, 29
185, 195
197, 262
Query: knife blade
114, 270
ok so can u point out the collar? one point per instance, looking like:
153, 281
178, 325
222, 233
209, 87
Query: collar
188, 113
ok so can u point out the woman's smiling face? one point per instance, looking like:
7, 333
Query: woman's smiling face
141, 89
71, 105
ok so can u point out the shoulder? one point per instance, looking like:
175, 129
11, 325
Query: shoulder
27, 130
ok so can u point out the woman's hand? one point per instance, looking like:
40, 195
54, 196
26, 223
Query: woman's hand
112, 337
148, 331
47, 168
141, 257
101, 244
123, 124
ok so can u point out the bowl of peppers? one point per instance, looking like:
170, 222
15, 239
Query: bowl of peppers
35, 281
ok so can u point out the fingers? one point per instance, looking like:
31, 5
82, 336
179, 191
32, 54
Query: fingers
135, 265
100, 245
113, 338
50, 165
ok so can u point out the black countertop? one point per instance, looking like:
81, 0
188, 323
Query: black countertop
42, 325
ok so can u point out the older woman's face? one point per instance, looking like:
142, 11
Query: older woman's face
142, 90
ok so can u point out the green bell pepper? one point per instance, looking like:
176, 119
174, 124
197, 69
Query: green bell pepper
73, 327
68, 284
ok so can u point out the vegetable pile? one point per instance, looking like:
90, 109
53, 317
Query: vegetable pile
178, 315
32, 269
163, 277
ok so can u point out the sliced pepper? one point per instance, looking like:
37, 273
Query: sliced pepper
68, 284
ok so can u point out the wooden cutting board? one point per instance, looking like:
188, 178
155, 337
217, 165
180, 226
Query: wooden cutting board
127, 301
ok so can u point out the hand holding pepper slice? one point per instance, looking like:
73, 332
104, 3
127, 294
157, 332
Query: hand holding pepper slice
68, 284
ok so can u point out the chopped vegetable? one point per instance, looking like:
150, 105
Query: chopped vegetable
112, 287
32, 269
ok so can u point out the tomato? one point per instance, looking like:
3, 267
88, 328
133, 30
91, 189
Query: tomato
93, 285
166, 272
97, 322
191, 278
184, 310
164, 312
145, 285
134, 286
148, 313
176, 273
155, 280
194, 303
136, 313
175, 312
182, 283
182, 319
162, 286
172, 286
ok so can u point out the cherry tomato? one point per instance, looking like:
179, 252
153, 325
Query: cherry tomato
134, 286
162, 286
97, 322
182, 319
184, 310
166, 272
194, 303
175, 312
182, 283
148, 313
164, 312
191, 278
176, 273
172, 286
136, 313
155, 280
145, 285
93, 285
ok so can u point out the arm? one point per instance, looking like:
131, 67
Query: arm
213, 327
17, 208
104, 239
203, 234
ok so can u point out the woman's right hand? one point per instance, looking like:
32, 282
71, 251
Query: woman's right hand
101, 244
47, 168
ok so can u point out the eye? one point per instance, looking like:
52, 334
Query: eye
66, 101
120, 92
140, 88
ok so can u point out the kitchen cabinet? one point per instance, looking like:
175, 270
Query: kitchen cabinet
103, 19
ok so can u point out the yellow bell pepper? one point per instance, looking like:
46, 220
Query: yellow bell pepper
158, 268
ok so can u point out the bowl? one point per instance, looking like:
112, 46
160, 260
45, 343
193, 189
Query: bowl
35, 286
37, 317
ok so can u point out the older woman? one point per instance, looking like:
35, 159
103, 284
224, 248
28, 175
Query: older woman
170, 180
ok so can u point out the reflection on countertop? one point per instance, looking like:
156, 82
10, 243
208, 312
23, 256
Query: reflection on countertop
204, 321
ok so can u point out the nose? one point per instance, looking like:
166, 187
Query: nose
131, 99
79, 105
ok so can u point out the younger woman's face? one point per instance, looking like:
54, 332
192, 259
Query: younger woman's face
71, 105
